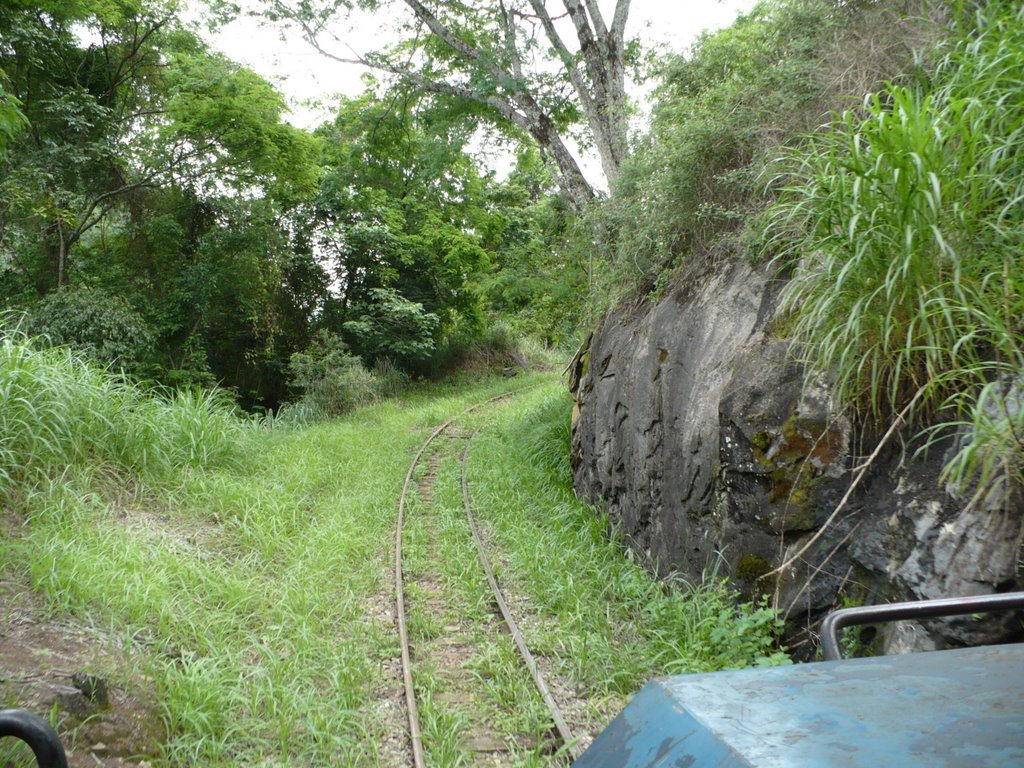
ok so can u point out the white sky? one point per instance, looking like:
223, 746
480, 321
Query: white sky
307, 77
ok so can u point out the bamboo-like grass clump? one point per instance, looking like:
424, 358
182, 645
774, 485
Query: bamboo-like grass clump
58, 410
904, 221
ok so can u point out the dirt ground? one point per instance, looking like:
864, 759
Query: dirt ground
75, 676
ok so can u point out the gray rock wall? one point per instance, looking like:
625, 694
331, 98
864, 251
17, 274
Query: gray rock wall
700, 436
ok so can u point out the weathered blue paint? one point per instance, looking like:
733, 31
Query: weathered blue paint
946, 709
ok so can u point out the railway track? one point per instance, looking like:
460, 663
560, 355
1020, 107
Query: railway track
561, 738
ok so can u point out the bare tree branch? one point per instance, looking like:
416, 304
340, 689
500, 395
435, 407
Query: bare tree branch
462, 48
588, 47
568, 60
511, 49
598, 88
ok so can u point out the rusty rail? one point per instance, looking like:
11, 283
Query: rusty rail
412, 710
565, 734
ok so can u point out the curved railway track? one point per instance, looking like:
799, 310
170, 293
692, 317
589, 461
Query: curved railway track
561, 728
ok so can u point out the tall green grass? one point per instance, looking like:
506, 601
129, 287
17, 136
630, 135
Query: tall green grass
240, 568
59, 410
904, 222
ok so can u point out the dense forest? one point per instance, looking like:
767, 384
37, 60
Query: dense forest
158, 211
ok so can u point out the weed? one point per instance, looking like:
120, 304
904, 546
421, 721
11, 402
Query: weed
57, 410
722, 112
249, 583
249, 559
442, 726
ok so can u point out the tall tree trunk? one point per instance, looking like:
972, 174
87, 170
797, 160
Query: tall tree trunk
601, 83
570, 177
62, 257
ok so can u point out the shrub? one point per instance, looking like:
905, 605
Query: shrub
391, 326
723, 112
332, 380
190, 369
58, 410
102, 325
389, 379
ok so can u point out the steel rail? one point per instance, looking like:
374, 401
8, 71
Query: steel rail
564, 732
920, 609
415, 735
412, 710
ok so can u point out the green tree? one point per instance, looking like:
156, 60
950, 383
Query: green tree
532, 283
141, 106
510, 60
227, 295
159, 172
391, 327
105, 326
12, 121
397, 220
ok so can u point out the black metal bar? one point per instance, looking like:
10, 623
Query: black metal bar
37, 733
921, 609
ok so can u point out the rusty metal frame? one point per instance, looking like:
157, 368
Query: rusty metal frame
921, 609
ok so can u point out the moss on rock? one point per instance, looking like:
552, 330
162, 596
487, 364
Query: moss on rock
752, 567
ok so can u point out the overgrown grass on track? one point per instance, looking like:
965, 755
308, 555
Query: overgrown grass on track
482, 692
243, 568
246, 583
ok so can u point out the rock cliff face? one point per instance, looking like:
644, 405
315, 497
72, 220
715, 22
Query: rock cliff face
709, 449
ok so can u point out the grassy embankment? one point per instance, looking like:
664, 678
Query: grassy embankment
240, 567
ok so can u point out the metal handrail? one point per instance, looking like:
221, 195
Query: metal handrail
37, 733
921, 609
